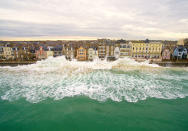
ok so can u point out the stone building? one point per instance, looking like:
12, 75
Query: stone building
81, 54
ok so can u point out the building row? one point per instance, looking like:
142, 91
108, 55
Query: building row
102, 49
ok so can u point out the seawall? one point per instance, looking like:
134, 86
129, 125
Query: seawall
16, 63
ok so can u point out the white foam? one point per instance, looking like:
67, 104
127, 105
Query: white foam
58, 78
59, 63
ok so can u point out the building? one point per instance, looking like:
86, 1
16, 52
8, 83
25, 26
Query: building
168, 49
92, 54
32, 53
81, 54
58, 50
109, 50
23, 53
7, 52
125, 49
49, 51
183, 42
143, 50
1, 52
102, 51
69, 52
180, 52
41, 54
116, 52
166, 54
15, 53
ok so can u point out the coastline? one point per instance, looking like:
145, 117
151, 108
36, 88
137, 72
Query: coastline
170, 63
160, 63
16, 63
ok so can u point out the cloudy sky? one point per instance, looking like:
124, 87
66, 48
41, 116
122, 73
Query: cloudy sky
90, 19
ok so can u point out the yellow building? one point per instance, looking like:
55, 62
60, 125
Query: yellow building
150, 50
7, 52
81, 54
49, 53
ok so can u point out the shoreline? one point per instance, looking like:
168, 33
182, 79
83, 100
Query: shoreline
160, 63
170, 63
16, 63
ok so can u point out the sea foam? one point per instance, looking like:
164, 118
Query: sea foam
124, 79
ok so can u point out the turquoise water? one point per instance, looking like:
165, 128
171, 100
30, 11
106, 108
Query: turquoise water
56, 94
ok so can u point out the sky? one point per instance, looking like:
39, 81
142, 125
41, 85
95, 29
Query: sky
92, 19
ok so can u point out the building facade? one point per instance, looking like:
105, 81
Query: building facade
92, 54
15, 53
150, 50
1, 52
109, 50
69, 53
180, 52
125, 49
166, 54
7, 52
49, 51
41, 53
81, 54
58, 51
102, 51
116, 52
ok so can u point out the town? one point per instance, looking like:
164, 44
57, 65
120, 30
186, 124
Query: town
89, 50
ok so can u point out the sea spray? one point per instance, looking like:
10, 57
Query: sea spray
124, 79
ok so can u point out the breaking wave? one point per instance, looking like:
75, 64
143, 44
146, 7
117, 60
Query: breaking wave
124, 79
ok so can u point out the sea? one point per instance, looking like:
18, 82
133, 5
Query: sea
123, 95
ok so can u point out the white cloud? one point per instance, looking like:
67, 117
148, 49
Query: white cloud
133, 19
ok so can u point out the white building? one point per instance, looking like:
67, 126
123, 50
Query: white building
92, 54
117, 52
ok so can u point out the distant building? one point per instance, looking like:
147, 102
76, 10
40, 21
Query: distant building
7, 52
69, 52
116, 52
15, 53
183, 42
102, 51
41, 54
150, 50
109, 50
49, 51
1, 52
92, 54
81, 54
180, 52
125, 49
168, 49
166, 54
32, 53
58, 50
